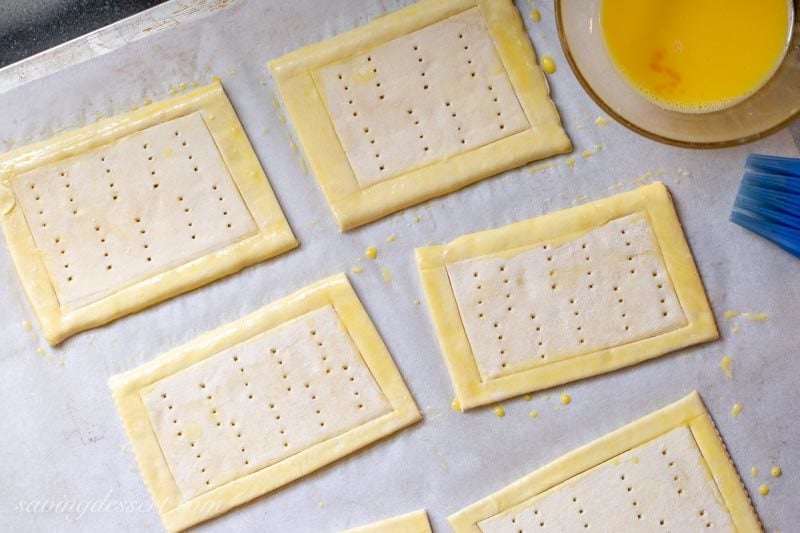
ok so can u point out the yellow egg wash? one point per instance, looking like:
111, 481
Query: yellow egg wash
725, 365
696, 55
549, 64
756, 317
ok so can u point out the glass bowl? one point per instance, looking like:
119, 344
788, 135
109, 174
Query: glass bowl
764, 112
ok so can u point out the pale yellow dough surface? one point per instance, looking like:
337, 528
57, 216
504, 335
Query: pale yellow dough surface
549, 303
260, 419
637, 296
415, 522
421, 98
672, 454
662, 483
117, 216
498, 68
261, 401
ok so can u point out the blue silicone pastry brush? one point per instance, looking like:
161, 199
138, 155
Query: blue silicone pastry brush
768, 202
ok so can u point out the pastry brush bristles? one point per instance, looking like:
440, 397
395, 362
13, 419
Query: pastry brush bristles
768, 202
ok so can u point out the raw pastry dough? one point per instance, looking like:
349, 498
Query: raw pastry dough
418, 104
667, 470
390, 122
551, 303
254, 412
416, 522
122, 214
260, 402
663, 482
564, 296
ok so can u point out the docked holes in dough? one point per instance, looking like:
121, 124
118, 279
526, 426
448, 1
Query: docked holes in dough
606, 289
101, 204
449, 73
663, 484
312, 385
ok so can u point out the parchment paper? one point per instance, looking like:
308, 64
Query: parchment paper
61, 442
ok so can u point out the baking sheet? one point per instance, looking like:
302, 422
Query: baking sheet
65, 461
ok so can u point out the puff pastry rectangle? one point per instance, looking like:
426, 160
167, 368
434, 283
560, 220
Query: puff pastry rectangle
417, 104
415, 522
564, 296
668, 470
127, 212
261, 402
